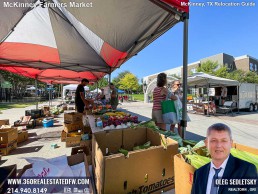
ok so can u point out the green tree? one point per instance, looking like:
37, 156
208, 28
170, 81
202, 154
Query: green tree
129, 82
251, 77
117, 79
208, 67
243, 77
222, 72
103, 82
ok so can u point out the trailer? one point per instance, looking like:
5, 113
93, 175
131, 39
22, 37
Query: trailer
248, 96
244, 95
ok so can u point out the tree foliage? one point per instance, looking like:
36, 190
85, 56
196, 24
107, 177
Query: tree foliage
117, 79
208, 67
129, 82
103, 82
213, 68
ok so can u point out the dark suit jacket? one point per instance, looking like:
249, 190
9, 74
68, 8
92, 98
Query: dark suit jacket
235, 168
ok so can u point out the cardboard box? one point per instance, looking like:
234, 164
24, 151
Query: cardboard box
8, 135
4, 122
69, 127
71, 107
73, 139
34, 113
184, 172
23, 136
86, 143
6, 172
144, 171
39, 121
64, 107
63, 136
86, 150
72, 160
73, 117
87, 129
5, 151
46, 110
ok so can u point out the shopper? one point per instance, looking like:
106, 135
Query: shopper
159, 94
176, 91
223, 164
224, 94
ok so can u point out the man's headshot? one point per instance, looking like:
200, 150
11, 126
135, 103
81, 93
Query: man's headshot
223, 165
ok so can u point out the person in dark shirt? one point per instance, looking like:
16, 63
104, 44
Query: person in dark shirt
80, 100
114, 96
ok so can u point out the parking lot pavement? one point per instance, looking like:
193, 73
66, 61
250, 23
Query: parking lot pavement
244, 125
39, 142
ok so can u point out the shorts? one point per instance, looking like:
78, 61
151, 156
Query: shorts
157, 116
223, 98
80, 108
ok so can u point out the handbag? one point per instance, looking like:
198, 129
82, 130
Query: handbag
179, 109
169, 113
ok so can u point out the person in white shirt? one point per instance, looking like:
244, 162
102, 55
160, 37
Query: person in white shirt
224, 93
223, 165
175, 90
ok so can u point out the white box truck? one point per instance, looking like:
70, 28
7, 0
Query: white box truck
248, 96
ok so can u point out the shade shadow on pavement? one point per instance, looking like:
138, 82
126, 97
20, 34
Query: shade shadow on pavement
2, 162
32, 134
25, 150
193, 136
28, 141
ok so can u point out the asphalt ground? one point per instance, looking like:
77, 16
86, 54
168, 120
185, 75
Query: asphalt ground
244, 128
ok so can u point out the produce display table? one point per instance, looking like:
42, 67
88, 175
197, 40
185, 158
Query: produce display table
93, 127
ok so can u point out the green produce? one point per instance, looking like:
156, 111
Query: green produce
199, 144
151, 124
148, 124
196, 160
189, 142
246, 156
144, 146
123, 151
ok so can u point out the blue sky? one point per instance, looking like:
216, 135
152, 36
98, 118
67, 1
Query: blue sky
212, 30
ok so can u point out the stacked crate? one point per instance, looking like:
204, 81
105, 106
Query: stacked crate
22, 134
4, 122
73, 129
8, 140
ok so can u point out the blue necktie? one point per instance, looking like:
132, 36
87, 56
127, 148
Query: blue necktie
214, 188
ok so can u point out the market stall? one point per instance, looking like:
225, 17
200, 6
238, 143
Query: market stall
213, 86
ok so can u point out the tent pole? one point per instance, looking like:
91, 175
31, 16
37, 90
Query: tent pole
185, 71
62, 96
36, 90
97, 87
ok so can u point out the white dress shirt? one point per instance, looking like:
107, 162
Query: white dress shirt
212, 173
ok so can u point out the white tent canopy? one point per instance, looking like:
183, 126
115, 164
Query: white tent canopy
204, 80
73, 88
96, 90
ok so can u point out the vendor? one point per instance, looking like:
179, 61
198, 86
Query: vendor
201, 98
80, 101
224, 93
114, 96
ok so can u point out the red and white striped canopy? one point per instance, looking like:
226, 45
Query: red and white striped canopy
62, 42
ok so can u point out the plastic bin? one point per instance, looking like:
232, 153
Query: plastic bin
48, 123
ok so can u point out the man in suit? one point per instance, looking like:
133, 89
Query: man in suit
223, 164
